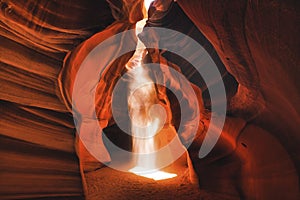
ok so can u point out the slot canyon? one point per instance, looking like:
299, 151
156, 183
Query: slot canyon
149, 99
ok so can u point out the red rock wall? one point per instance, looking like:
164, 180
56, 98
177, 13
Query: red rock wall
37, 131
250, 163
257, 42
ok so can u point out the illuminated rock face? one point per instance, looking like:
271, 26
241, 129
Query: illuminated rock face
253, 49
37, 132
257, 43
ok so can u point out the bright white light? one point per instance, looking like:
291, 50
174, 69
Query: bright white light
147, 3
155, 175
159, 175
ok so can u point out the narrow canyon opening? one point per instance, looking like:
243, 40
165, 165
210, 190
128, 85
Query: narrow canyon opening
150, 130
148, 121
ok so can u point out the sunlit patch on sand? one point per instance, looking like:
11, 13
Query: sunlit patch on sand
154, 174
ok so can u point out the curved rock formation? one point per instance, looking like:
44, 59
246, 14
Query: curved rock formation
37, 130
254, 44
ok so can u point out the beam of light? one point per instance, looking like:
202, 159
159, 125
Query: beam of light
143, 109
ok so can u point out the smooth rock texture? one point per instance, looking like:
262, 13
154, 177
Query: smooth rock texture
255, 45
37, 131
